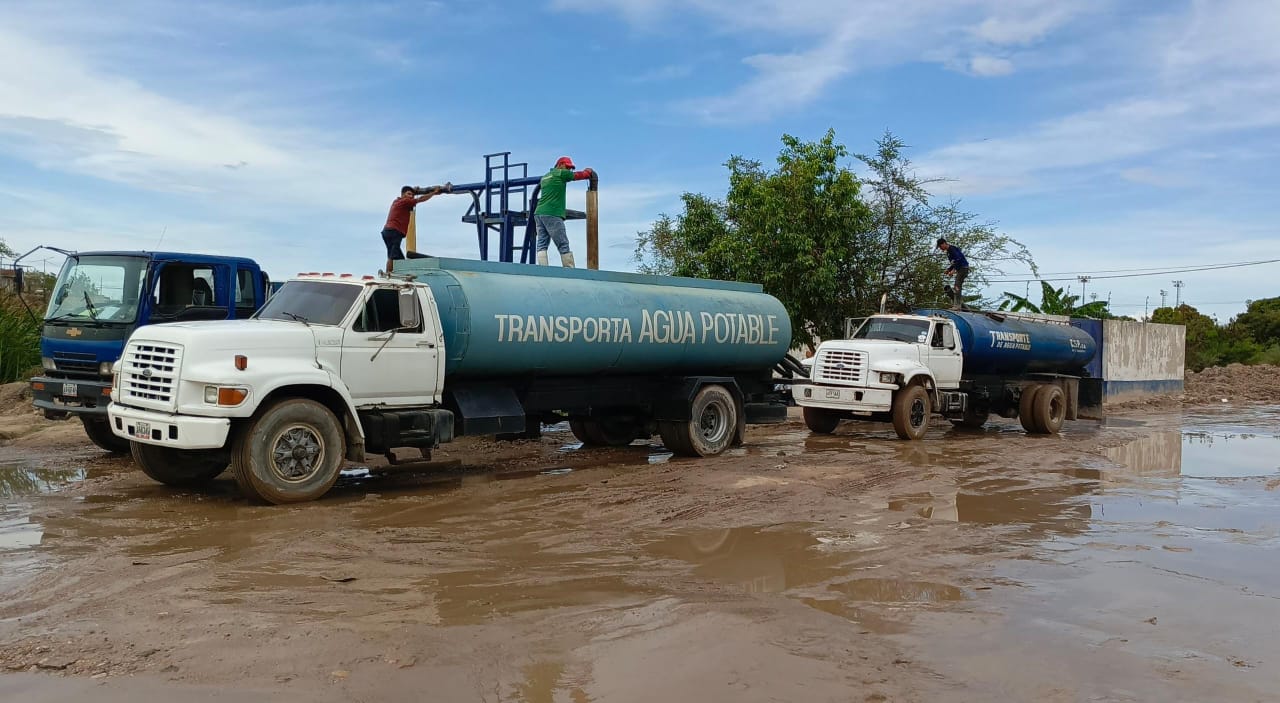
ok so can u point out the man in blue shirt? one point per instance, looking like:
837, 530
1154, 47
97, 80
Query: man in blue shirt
959, 267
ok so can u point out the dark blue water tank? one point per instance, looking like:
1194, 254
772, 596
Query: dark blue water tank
1004, 346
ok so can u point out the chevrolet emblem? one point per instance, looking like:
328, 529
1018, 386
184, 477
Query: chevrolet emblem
74, 332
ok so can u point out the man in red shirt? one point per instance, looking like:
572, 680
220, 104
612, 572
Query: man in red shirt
398, 220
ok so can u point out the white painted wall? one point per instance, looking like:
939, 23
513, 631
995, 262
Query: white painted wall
1143, 351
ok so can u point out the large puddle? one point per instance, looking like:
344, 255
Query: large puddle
954, 526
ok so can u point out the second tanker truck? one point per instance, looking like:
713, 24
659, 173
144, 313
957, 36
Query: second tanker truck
964, 366
335, 367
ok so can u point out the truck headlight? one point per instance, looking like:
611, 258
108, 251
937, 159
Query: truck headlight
886, 377
225, 395
106, 368
47, 364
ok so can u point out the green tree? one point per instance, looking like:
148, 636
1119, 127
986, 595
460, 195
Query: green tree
825, 243
1261, 321
1207, 343
1055, 301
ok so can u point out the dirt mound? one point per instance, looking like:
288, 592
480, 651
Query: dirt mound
15, 398
1235, 383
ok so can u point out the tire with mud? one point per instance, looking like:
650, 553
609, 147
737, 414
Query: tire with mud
911, 412
711, 429
99, 432
821, 420
1049, 409
291, 452
181, 468
972, 420
582, 433
1026, 408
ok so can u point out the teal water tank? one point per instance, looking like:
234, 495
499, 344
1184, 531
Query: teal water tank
503, 319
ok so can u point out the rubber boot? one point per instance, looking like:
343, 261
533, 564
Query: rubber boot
567, 260
542, 257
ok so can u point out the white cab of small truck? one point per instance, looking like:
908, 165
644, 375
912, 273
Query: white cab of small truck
866, 376
338, 343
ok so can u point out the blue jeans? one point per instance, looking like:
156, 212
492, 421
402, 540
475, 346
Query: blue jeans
551, 228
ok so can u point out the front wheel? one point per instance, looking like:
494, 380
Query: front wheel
290, 453
820, 420
181, 468
713, 423
911, 410
99, 432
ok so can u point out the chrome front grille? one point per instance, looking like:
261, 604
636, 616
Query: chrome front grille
842, 366
149, 374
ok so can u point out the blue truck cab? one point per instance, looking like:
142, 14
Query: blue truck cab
101, 297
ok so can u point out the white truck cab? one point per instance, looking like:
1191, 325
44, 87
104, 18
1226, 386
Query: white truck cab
861, 376
905, 368
339, 344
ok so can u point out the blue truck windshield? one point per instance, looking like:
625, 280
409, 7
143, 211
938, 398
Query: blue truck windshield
98, 289
312, 302
894, 330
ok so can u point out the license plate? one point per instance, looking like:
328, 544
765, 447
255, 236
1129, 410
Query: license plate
833, 394
142, 430
71, 389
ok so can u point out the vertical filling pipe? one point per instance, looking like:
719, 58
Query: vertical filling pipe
593, 223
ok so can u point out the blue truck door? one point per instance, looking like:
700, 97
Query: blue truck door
248, 291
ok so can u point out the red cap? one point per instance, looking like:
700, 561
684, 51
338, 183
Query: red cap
565, 162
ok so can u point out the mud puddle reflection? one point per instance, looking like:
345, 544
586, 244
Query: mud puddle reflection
1152, 573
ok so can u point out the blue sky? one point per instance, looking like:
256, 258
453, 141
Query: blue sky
1103, 134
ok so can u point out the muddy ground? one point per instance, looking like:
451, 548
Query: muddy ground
1132, 559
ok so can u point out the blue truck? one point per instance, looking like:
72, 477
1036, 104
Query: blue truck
101, 297
963, 366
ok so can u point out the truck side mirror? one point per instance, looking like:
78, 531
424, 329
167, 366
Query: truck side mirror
408, 308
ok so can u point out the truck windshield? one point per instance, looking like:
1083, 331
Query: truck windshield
98, 289
894, 330
312, 302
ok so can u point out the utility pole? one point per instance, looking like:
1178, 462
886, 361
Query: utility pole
1163, 293
1178, 296
1084, 285
1146, 308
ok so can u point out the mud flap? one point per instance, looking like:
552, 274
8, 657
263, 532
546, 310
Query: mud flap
1089, 399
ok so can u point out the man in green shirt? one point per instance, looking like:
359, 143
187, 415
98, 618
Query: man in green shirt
549, 215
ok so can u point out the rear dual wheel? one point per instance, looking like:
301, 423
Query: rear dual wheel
711, 429
1043, 408
605, 432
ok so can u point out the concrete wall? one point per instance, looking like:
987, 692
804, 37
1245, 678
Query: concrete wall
1141, 359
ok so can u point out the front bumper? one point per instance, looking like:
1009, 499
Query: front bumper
77, 396
854, 400
166, 430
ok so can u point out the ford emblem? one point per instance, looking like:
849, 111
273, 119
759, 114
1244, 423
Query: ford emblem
146, 373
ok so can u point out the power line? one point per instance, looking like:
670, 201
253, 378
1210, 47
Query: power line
1213, 267
1144, 268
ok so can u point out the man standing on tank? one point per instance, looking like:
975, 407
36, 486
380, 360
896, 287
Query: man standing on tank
549, 215
393, 232
959, 268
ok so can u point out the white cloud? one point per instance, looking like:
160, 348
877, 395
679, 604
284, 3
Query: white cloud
990, 66
662, 74
1214, 81
1025, 25
71, 116
828, 41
